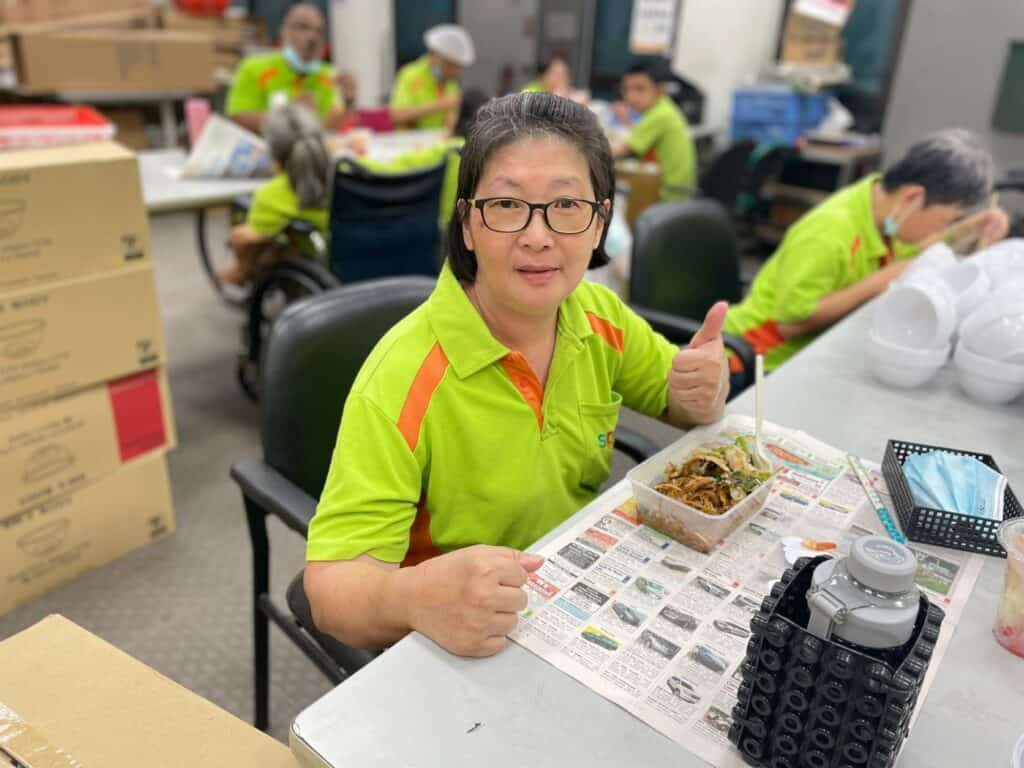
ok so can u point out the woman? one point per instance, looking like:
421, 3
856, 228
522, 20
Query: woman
486, 417
297, 192
851, 247
553, 76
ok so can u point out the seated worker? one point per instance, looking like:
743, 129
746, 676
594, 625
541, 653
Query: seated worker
448, 150
849, 248
297, 192
482, 420
426, 93
662, 133
553, 76
293, 74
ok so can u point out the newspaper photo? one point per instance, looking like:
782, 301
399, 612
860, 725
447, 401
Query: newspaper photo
661, 629
225, 150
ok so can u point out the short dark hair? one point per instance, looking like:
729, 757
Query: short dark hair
545, 65
509, 119
952, 165
656, 72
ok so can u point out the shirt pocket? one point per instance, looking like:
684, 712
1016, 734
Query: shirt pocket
597, 430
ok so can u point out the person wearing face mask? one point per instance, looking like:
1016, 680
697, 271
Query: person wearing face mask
294, 74
426, 93
486, 417
849, 248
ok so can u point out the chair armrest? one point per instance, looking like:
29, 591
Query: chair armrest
679, 330
275, 494
638, 447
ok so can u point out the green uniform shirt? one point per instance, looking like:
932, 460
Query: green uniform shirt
275, 204
829, 248
662, 130
259, 77
534, 86
415, 86
416, 159
447, 439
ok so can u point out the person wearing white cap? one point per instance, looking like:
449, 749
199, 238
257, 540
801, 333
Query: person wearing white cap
426, 94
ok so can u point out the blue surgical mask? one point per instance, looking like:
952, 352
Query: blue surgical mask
297, 63
889, 226
436, 73
952, 483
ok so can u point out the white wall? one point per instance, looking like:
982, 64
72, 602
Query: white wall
363, 42
949, 73
722, 44
504, 33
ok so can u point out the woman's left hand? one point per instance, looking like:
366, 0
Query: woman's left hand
699, 380
991, 225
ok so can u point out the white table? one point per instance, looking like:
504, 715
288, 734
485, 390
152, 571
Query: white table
164, 191
417, 705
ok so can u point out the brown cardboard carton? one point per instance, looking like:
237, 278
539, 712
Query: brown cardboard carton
48, 544
229, 34
69, 696
114, 60
71, 335
810, 41
130, 123
68, 212
68, 443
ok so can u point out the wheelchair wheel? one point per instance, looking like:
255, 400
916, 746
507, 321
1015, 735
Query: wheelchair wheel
285, 283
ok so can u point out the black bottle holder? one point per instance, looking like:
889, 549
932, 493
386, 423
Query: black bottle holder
805, 702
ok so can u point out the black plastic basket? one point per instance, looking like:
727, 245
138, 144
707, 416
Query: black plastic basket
935, 526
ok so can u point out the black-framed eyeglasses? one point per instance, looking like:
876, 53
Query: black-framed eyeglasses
564, 215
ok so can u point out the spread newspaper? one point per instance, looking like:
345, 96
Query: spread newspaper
661, 629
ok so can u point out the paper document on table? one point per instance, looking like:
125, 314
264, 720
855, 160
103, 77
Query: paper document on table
662, 629
225, 150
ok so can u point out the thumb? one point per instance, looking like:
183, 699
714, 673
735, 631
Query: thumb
529, 561
712, 327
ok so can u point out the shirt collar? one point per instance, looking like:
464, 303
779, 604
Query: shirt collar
872, 242
464, 336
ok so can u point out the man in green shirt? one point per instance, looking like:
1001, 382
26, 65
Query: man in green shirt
662, 133
293, 74
852, 246
426, 94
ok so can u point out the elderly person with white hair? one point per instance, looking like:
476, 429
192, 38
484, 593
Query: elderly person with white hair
426, 94
849, 248
298, 191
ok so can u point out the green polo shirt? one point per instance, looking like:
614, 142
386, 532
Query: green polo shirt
448, 440
534, 86
663, 132
415, 86
830, 248
258, 78
275, 204
416, 159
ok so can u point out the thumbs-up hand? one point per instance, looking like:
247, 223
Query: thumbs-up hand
699, 380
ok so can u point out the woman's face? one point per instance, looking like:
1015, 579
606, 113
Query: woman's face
533, 270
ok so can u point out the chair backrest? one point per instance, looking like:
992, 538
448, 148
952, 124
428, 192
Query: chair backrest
384, 225
724, 179
316, 348
684, 258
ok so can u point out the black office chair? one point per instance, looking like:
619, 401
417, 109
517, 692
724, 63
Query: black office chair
725, 178
384, 225
315, 350
684, 259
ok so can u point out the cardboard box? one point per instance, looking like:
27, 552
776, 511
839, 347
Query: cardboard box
65, 444
71, 335
644, 183
228, 33
118, 61
54, 542
130, 125
81, 700
810, 41
69, 211
33, 11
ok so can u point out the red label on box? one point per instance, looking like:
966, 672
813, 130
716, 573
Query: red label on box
138, 414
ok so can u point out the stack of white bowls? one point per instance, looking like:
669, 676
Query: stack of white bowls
942, 303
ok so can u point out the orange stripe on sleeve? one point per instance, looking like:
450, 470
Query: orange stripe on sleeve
764, 337
416, 402
266, 76
607, 331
